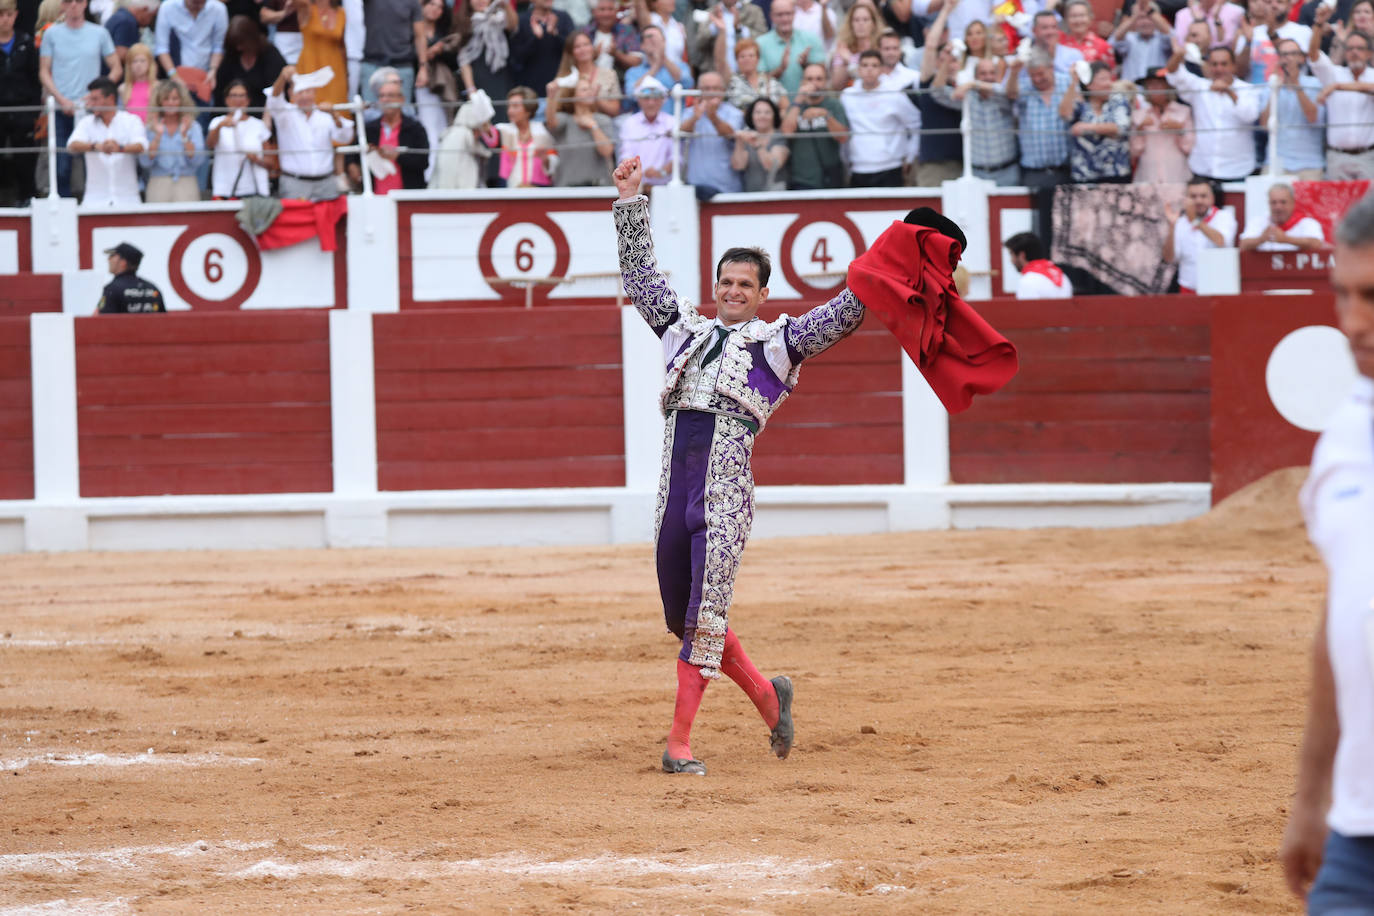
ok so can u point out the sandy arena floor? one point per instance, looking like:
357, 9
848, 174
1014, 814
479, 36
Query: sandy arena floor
1024, 722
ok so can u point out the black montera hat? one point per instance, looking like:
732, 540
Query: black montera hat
128, 252
925, 216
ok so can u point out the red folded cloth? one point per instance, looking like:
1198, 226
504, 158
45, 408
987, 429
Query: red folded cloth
301, 220
906, 277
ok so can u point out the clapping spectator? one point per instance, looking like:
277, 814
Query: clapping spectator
784, 52
536, 48
1224, 114
1079, 34
140, 71
1223, 18
1266, 24
657, 66
486, 27
111, 141
584, 134
818, 127
1349, 104
992, 124
579, 65
249, 59
712, 124
760, 153
1361, 19
69, 60
662, 15
880, 123
727, 22
1300, 147
306, 135
322, 45
1100, 123
747, 83
648, 133
1142, 40
198, 28
239, 168
1161, 134
858, 33
1201, 226
176, 146
616, 42
527, 149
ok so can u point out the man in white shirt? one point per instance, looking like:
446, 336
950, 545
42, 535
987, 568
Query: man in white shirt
1328, 845
1286, 229
879, 123
896, 75
1224, 115
648, 133
1040, 277
1201, 225
111, 140
1346, 92
306, 136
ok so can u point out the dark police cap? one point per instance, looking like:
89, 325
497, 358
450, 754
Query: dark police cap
128, 252
924, 216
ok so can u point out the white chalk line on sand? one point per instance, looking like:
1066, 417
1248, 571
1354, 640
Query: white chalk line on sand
148, 758
83, 907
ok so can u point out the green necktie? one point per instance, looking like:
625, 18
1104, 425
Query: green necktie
722, 332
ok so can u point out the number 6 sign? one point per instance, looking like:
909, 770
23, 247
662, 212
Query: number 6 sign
523, 245
815, 255
214, 270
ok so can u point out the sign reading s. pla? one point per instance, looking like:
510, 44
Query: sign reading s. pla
1289, 261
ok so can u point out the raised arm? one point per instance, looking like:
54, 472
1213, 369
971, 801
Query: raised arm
644, 283
824, 326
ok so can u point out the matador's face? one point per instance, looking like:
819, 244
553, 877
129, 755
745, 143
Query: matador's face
738, 293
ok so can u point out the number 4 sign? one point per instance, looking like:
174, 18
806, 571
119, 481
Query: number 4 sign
815, 256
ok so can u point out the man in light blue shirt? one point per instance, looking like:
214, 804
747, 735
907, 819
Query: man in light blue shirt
785, 52
712, 124
1301, 145
656, 64
199, 27
69, 60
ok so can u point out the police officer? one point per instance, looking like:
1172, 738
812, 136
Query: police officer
128, 292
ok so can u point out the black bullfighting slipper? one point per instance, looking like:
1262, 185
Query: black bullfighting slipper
683, 765
780, 738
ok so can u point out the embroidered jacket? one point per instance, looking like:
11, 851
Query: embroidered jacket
760, 361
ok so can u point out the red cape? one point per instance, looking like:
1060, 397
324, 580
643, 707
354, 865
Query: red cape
906, 278
301, 220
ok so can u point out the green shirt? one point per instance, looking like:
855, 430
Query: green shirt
815, 160
771, 48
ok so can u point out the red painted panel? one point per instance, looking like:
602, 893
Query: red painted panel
16, 410
1070, 467
501, 444
502, 353
601, 471
204, 403
498, 323
1171, 406
505, 412
1078, 436
25, 293
22, 227
398, 385
801, 470
1266, 270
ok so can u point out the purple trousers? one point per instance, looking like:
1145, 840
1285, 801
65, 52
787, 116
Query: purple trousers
705, 509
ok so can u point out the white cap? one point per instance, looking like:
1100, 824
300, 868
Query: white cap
315, 79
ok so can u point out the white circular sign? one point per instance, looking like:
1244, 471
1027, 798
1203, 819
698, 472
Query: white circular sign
523, 250
214, 266
821, 253
1309, 374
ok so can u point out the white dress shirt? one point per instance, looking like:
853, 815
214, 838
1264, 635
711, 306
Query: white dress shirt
1225, 146
880, 124
306, 142
1338, 502
111, 178
1349, 115
231, 174
1306, 228
1189, 240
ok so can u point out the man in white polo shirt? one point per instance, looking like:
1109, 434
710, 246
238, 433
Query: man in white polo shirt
1202, 225
1040, 278
1346, 92
1224, 115
1286, 228
111, 140
1328, 846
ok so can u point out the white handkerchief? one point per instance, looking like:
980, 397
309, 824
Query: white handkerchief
379, 165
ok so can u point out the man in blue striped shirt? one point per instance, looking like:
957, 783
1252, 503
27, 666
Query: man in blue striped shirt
1043, 134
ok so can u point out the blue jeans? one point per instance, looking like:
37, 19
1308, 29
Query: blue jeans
65, 125
1345, 883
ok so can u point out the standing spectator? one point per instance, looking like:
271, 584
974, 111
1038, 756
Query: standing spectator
858, 33
1043, 133
239, 168
813, 17
355, 40
527, 149
579, 11
940, 148
1262, 30
1361, 19
1161, 135
585, 136
1223, 18
19, 86
959, 12
127, 23
306, 136
992, 125
140, 71
286, 35
1301, 118
199, 27
395, 38
648, 133
1040, 277
579, 63
399, 140
712, 125
443, 43
1100, 123
616, 42
111, 141
818, 127
1224, 113
897, 76
1046, 36
784, 52
1202, 225
1142, 40
657, 66
760, 153
537, 45
1349, 103
662, 15
1079, 34
322, 45
747, 83
879, 123
249, 59
485, 50
728, 22
976, 46
176, 146
1284, 227
69, 60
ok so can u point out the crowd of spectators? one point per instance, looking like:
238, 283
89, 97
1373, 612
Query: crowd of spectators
232, 98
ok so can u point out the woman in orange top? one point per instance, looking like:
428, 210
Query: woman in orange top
322, 29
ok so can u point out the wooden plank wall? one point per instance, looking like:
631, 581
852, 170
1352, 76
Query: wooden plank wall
843, 423
189, 403
16, 410
24, 294
1111, 390
499, 397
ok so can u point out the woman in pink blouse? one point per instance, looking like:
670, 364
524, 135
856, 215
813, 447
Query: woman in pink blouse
1161, 135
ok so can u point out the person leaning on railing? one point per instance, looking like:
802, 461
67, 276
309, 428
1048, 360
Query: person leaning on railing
240, 166
111, 141
176, 147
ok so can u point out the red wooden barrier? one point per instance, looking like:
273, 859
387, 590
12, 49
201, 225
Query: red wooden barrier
204, 403
16, 410
1111, 390
499, 398
1261, 271
24, 294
